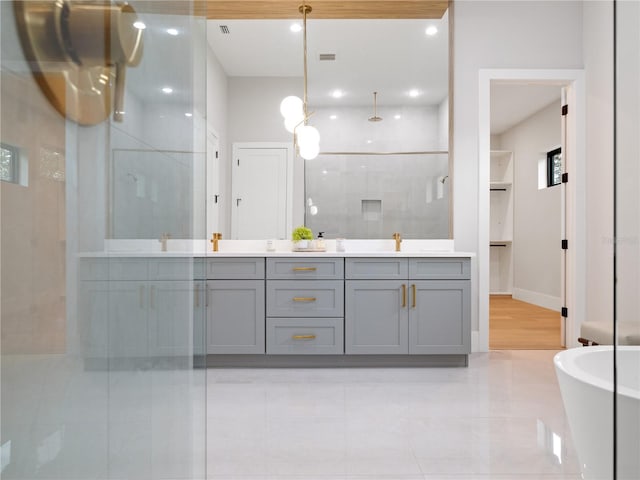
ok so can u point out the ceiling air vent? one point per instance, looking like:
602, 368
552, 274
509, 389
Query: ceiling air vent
224, 29
327, 56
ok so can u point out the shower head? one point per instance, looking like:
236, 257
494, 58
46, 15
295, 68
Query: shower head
375, 117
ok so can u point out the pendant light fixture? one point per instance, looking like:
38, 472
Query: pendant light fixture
306, 139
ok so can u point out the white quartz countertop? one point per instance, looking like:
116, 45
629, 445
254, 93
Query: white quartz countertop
283, 248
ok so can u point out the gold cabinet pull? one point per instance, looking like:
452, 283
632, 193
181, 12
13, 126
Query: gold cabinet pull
413, 292
196, 296
304, 269
304, 299
152, 297
303, 337
141, 295
404, 295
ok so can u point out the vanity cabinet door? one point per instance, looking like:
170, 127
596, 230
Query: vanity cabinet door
127, 325
171, 309
376, 317
93, 318
439, 317
235, 316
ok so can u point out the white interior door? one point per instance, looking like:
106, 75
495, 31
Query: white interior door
260, 190
213, 184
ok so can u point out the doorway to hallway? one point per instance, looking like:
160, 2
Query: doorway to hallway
526, 217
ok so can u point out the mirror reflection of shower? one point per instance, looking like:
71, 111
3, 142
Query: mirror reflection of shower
369, 195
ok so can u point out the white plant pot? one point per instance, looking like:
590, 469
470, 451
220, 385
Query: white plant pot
301, 244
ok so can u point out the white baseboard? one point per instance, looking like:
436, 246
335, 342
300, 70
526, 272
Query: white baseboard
540, 299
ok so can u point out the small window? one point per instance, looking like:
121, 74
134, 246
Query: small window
554, 167
9, 163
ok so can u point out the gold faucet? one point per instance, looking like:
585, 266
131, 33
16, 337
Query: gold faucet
398, 238
163, 241
214, 240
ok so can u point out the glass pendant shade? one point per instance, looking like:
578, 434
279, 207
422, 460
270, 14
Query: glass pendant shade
290, 123
307, 135
309, 152
292, 107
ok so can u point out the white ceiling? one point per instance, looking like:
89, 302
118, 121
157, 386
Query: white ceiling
387, 56
511, 104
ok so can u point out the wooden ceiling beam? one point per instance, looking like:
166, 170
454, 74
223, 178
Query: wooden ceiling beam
288, 9
326, 9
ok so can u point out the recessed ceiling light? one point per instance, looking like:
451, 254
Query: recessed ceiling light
337, 94
139, 25
397, 117
172, 31
188, 114
295, 27
333, 117
167, 90
369, 141
431, 31
414, 93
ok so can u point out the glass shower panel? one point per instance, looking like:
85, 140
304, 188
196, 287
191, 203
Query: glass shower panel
373, 196
627, 232
103, 334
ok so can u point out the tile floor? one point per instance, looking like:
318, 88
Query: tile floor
500, 418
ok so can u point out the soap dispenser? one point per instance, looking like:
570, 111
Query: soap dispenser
320, 241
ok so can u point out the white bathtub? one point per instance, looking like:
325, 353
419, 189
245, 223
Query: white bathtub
585, 375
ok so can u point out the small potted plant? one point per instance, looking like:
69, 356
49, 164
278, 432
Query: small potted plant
301, 237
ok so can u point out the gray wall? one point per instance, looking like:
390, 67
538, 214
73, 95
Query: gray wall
499, 35
598, 63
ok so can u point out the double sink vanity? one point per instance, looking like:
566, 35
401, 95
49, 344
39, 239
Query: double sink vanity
367, 306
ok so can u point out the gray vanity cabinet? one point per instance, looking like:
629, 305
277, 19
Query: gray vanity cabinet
112, 307
171, 304
439, 317
305, 306
235, 306
414, 306
376, 317
93, 317
137, 308
440, 308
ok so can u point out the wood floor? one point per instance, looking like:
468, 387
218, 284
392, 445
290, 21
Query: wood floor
516, 325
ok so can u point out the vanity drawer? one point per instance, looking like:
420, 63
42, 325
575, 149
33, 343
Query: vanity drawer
313, 268
293, 298
377, 268
175, 269
440, 268
235, 268
93, 269
305, 336
113, 268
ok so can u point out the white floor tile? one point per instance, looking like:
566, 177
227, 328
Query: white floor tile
501, 418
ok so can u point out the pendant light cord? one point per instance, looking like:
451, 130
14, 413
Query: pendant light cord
305, 9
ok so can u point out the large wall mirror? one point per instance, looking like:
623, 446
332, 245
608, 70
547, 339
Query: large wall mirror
371, 179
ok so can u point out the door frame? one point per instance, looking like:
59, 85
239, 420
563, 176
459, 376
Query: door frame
289, 180
573, 81
212, 196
